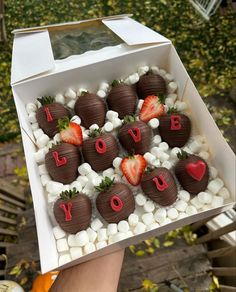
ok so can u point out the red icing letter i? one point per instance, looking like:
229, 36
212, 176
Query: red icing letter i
48, 114
175, 122
160, 182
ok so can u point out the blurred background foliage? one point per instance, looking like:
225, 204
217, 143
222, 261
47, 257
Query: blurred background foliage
207, 49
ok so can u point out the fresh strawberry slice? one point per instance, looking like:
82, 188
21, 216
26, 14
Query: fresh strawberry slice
133, 168
70, 132
151, 108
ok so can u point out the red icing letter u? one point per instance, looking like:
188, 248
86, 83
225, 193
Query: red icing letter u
100, 146
116, 203
175, 122
135, 134
48, 114
59, 161
67, 211
160, 182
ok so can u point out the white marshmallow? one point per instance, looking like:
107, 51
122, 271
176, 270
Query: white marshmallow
156, 163
76, 185
101, 244
174, 151
91, 234
94, 127
182, 215
169, 77
71, 103
51, 198
180, 105
111, 114
116, 122
104, 86
184, 195
140, 200
116, 162
108, 127
129, 234
181, 205
215, 185
60, 98
163, 156
71, 240
54, 187
82, 238
196, 203
123, 226
38, 133
169, 102
149, 207
97, 180
172, 213
42, 141
213, 172
101, 93
111, 229
58, 232
96, 224
205, 147
224, 193
133, 219
134, 78
64, 259
149, 157
155, 70
42, 169
82, 180
102, 234
76, 119
140, 103
153, 226
143, 70
139, 228
200, 139
57, 138
154, 123
204, 197
45, 178
173, 96
118, 237
156, 151
160, 215
204, 155
76, 252
217, 201
191, 210
32, 118
172, 87
34, 126
89, 247
186, 149
81, 90
195, 146
162, 72
167, 164
166, 221
70, 93
62, 245
108, 172
84, 168
164, 146
148, 218
31, 107
157, 139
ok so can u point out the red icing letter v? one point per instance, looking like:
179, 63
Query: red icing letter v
160, 182
135, 134
59, 161
67, 211
175, 122
48, 114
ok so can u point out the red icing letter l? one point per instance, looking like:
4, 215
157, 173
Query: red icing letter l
59, 161
160, 182
175, 122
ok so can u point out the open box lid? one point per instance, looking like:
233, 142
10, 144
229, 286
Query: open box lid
33, 52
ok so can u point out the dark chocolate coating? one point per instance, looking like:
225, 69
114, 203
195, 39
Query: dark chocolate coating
150, 84
99, 161
91, 109
175, 138
122, 99
163, 198
128, 142
57, 112
81, 211
68, 172
187, 182
104, 207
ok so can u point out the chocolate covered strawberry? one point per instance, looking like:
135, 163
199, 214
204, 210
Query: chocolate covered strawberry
133, 168
100, 150
91, 109
175, 128
115, 201
62, 162
70, 132
135, 136
122, 99
192, 172
159, 185
150, 84
152, 107
73, 211
49, 113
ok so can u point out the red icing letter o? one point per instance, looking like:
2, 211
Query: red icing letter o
116, 203
135, 134
100, 146
160, 182
175, 122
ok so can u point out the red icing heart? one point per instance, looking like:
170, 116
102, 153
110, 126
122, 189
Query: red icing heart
196, 170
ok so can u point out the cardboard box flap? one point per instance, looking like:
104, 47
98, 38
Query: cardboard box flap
32, 55
133, 32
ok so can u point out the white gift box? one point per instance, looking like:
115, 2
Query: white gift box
35, 73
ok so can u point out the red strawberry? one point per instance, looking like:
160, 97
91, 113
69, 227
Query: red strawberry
150, 84
133, 168
70, 132
152, 108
